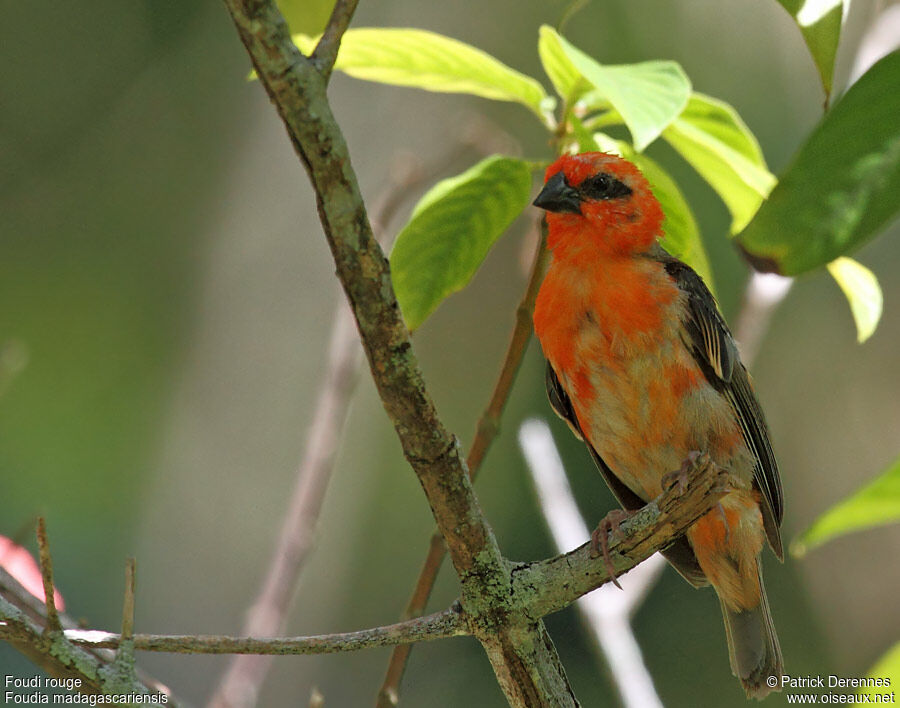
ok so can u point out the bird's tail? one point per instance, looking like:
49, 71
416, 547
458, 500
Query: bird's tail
753, 646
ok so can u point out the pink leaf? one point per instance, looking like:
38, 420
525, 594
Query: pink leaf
20, 564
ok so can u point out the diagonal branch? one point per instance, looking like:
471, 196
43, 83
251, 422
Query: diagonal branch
550, 585
486, 430
326, 51
298, 92
522, 655
606, 612
240, 684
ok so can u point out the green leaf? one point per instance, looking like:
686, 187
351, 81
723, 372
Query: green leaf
711, 136
843, 185
863, 293
876, 504
820, 23
681, 236
308, 16
887, 667
425, 60
451, 231
566, 79
591, 142
648, 95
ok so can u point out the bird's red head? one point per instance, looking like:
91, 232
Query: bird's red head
599, 201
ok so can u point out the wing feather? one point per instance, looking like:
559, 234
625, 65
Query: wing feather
714, 349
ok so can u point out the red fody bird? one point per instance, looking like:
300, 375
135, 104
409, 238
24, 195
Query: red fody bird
644, 369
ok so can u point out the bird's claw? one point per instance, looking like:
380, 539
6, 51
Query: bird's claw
609, 524
678, 480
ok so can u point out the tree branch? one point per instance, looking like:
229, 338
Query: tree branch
539, 588
240, 684
298, 92
22, 624
441, 625
523, 658
606, 611
326, 51
548, 586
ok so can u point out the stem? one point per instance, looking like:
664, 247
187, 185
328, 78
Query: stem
53, 623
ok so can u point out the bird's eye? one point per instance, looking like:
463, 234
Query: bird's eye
604, 186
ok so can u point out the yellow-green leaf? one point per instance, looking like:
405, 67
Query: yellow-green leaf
711, 136
886, 672
451, 230
566, 79
876, 504
308, 16
862, 291
648, 95
430, 61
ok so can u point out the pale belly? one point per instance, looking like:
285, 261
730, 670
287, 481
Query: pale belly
650, 406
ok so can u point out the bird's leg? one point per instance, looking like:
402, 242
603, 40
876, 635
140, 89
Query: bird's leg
600, 539
678, 480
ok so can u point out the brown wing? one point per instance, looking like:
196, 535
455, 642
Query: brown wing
712, 345
679, 554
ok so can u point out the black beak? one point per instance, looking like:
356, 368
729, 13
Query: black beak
559, 196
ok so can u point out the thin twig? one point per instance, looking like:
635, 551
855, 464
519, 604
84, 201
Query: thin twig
440, 625
489, 423
607, 610
542, 587
487, 428
128, 602
53, 623
121, 673
326, 51
548, 586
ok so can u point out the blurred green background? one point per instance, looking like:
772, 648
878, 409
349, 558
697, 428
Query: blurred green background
165, 281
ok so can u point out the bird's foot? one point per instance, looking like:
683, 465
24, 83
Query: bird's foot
600, 539
678, 480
